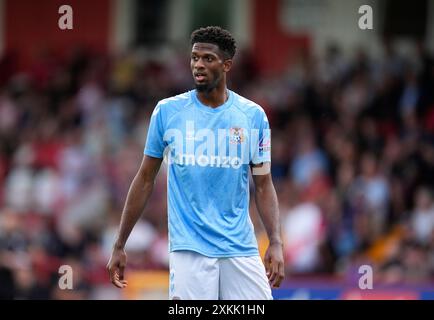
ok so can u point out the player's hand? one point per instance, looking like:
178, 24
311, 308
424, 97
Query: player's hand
274, 266
116, 267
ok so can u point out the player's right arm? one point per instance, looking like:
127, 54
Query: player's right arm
137, 197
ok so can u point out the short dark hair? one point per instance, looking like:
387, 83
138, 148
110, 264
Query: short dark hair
218, 36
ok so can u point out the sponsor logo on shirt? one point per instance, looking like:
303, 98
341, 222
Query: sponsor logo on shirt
207, 161
265, 144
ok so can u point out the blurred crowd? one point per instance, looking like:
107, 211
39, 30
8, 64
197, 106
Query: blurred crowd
352, 162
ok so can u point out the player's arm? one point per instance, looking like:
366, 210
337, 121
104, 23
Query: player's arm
268, 208
137, 197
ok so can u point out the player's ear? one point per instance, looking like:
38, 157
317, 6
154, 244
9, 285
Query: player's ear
227, 65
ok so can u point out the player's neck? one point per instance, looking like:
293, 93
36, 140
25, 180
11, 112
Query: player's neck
214, 98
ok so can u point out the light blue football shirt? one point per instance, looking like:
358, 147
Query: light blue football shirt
208, 154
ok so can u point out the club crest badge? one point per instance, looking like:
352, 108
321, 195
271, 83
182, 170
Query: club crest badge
236, 135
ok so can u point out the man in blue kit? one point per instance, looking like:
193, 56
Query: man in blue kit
212, 137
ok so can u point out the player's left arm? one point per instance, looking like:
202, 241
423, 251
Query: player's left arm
268, 208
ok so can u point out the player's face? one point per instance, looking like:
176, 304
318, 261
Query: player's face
207, 65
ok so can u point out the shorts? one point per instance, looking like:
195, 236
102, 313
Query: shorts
196, 277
